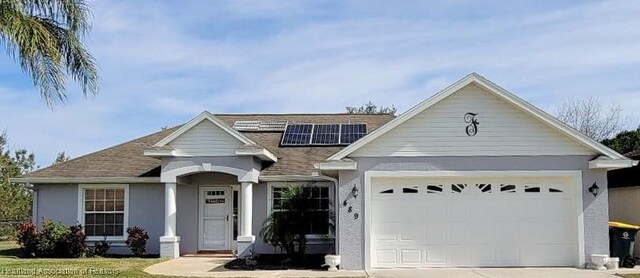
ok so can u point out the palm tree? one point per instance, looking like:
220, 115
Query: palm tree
45, 36
287, 229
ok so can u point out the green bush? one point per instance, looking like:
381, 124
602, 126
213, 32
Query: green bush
52, 239
137, 240
99, 249
55, 240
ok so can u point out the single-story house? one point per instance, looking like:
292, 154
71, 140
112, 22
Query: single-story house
624, 195
472, 176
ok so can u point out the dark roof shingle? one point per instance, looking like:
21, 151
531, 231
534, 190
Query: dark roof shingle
128, 159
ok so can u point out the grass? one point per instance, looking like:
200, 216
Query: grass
629, 275
10, 265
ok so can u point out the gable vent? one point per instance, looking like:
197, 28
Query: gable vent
260, 125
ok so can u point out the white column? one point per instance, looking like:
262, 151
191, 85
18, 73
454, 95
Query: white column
246, 211
170, 209
246, 238
169, 243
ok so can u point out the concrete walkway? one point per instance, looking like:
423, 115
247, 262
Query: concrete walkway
213, 267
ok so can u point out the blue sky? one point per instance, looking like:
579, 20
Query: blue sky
162, 62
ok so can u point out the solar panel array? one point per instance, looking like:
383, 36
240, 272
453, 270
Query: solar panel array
322, 134
298, 134
352, 132
326, 134
260, 125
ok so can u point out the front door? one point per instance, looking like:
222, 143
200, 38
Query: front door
214, 218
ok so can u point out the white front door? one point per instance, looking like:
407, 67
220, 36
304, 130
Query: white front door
214, 218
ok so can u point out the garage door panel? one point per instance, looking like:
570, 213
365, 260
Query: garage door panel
386, 231
483, 233
412, 233
485, 254
436, 233
387, 256
469, 223
435, 210
546, 255
458, 233
411, 256
508, 255
435, 254
458, 211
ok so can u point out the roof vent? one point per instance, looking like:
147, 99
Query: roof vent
260, 125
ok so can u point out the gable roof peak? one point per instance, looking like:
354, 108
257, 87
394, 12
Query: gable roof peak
204, 116
493, 89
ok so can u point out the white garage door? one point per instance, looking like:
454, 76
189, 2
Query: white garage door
422, 222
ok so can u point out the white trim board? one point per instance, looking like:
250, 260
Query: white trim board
493, 89
576, 176
106, 180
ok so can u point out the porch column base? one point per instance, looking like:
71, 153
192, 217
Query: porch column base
170, 247
245, 246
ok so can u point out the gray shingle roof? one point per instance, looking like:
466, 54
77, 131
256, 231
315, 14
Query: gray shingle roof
128, 159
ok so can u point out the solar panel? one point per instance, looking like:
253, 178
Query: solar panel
326, 134
258, 125
297, 134
350, 133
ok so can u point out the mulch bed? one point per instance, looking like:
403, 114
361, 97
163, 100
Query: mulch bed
277, 262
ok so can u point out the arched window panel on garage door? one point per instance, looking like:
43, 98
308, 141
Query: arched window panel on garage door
508, 188
412, 189
435, 188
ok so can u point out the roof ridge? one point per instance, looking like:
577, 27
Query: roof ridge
304, 114
99, 151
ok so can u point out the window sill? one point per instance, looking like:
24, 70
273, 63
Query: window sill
319, 239
114, 241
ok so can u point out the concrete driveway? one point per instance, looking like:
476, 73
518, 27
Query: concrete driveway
499, 273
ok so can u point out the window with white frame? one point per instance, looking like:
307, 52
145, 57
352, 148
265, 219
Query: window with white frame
320, 197
104, 210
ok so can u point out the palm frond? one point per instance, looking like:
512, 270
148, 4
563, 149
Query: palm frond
45, 37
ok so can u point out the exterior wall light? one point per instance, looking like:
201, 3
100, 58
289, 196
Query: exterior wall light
594, 189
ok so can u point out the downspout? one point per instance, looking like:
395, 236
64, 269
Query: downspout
336, 209
34, 203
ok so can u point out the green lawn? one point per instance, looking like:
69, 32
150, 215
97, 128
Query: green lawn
629, 275
10, 265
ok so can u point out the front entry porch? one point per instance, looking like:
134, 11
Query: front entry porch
208, 209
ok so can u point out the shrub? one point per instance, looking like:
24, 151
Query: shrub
137, 240
52, 240
100, 248
27, 234
56, 240
75, 242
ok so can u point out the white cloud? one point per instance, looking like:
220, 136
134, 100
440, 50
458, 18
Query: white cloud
165, 63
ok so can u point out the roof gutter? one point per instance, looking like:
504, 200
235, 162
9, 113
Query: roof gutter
59, 180
611, 164
294, 178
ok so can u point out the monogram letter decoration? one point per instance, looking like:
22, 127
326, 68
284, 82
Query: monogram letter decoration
472, 128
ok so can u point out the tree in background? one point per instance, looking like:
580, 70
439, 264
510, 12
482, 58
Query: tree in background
371, 108
624, 142
45, 36
61, 158
588, 116
15, 199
